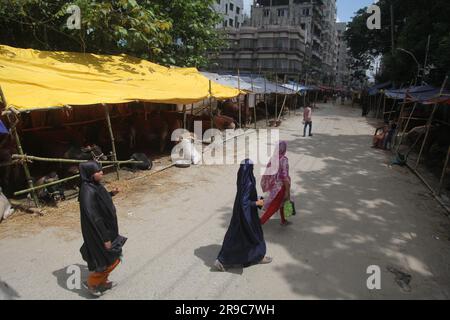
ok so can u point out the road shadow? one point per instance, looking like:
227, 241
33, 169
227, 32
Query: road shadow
62, 276
208, 255
354, 210
7, 292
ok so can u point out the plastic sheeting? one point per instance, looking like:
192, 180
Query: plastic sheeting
231, 81
421, 94
3, 129
32, 79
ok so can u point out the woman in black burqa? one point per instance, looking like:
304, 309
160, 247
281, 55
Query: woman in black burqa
244, 243
102, 246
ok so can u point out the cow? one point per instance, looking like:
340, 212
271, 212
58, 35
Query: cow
51, 194
231, 109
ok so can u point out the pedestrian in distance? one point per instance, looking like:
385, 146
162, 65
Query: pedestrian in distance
244, 243
277, 182
102, 247
307, 120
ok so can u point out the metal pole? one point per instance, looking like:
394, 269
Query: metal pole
113, 143
430, 120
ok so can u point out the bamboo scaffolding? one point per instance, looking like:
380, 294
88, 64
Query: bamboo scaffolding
441, 181
113, 143
430, 120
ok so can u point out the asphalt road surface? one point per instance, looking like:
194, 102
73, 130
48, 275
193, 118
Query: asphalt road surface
354, 211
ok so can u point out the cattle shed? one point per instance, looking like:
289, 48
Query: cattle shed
65, 93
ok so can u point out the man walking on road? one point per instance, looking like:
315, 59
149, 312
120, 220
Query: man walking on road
307, 120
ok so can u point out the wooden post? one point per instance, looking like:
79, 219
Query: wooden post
384, 106
113, 143
24, 163
430, 120
441, 182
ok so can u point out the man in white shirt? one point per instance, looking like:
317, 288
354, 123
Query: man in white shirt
307, 120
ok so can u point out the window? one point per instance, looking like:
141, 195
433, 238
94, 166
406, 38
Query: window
266, 12
226, 8
231, 7
306, 12
225, 23
238, 10
282, 12
231, 22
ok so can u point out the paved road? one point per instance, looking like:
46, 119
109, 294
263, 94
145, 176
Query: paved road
354, 211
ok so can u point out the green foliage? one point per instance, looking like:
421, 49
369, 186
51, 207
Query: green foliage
148, 28
414, 20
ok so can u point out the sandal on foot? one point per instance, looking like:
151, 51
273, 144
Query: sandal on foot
266, 260
219, 266
94, 291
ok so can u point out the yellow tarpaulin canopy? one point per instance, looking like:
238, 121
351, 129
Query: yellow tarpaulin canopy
32, 80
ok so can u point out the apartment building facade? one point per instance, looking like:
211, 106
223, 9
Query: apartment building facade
343, 59
272, 49
232, 11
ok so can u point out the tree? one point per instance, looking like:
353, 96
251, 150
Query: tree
169, 32
414, 20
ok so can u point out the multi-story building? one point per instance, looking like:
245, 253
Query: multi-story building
232, 11
343, 60
271, 49
317, 19
288, 37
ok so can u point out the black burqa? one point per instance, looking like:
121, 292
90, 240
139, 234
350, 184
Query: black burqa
98, 221
244, 243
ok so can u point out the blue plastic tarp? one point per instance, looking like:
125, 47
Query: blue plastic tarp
376, 88
3, 129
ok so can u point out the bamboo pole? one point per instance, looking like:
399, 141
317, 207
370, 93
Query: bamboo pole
406, 126
113, 143
384, 106
430, 120
265, 102
239, 98
28, 158
276, 97
184, 117
441, 182
2, 95
18, 193
24, 164
282, 107
254, 107
210, 105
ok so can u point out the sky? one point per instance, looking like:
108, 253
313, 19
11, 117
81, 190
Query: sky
346, 8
